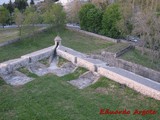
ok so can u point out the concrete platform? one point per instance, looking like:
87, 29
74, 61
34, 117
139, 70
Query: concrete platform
85, 80
16, 78
65, 69
38, 69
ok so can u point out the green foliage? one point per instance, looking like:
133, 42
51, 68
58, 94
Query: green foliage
94, 18
4, 15
32, 16
21, 4
55, 15
111, 17
83, 15
19, 19
9, 6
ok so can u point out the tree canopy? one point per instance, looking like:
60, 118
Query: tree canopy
4, 15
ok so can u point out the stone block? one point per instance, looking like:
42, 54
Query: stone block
39, 55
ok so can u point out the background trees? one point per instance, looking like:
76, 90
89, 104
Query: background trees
32, 17
111, 17
19, 18
72, 10
21, 4
83, 15
4, 16
54, 15
90, 18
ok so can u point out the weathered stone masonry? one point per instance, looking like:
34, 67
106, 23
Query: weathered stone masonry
136, 82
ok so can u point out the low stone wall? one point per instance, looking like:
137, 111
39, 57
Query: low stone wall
136, 82
133, 81
94, 35
121, 52
11, 65
138, 69
39, 55
135, 68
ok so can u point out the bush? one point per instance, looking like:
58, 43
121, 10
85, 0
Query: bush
82, 15
90, 18
94, 17
111, 17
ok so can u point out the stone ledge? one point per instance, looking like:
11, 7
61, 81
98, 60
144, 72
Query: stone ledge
11, 65
94, 35
39, 55
136, 82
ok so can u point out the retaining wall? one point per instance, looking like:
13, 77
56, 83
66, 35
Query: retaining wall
94, 35
135, 68
136, 82
11, 65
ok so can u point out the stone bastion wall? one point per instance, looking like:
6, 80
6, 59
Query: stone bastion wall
134, 81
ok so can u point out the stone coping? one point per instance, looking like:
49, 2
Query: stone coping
132, 80
134, 77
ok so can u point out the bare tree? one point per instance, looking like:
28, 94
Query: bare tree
72, 10
147, 26
19, 18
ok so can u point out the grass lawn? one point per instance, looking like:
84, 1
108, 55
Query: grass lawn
53, 98
116, 47
70, 39
135, 56
13, 33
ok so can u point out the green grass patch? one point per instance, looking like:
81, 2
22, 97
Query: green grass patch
116, 47
53, 98
27, 72
135, 56
70, 39
7, 34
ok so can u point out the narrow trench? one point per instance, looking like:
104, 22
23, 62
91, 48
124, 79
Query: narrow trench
55, 51
54, 55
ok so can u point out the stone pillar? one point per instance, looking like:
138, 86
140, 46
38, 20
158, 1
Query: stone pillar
57, 41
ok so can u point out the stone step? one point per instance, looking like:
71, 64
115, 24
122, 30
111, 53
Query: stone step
65, 69
16, 78
85, 80
38, 69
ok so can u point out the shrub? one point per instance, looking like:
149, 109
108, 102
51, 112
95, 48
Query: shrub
111, 17
83, 15
90, 18
94, 18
